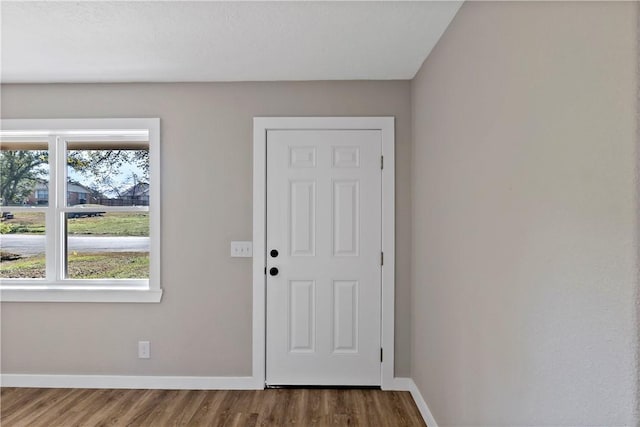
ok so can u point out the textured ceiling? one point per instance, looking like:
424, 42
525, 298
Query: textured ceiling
137, 41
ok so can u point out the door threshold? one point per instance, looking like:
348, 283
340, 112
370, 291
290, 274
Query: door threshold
324, 387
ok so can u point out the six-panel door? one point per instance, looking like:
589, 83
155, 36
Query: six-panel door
324, 221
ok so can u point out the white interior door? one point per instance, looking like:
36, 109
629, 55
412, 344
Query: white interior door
324, 282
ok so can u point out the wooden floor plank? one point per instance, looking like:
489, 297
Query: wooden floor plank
145, 407
208, 409
131, 409
13, 407
22, 406
63, 407
9, 396
221, 408
104, 407
83, 406
187, 408
49, 400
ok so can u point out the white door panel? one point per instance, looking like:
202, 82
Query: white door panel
324, 219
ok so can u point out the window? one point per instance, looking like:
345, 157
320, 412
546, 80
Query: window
42, 197
80, 210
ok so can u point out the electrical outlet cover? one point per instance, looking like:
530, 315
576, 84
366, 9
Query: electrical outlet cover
144, 350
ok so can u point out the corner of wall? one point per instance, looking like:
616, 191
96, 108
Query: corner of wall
636, 413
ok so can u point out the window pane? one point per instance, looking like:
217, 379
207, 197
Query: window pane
107, 175
22, 239
24, 177
107, 245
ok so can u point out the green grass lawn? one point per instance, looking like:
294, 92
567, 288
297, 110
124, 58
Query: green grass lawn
24, 222
113, 265
110, 224
23, 268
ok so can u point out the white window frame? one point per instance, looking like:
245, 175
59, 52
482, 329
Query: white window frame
54, 288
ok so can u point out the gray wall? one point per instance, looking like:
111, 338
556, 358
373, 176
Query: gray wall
524, 216
203, 325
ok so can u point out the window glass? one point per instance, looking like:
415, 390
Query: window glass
112, 245
103, 173
22, 243
24, 170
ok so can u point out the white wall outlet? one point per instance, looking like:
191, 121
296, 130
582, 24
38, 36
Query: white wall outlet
144, 350
242, 249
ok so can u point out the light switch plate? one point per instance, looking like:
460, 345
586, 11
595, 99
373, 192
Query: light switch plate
242, 249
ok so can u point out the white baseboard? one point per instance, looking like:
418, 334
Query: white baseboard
402, 384
131, 381
407, 384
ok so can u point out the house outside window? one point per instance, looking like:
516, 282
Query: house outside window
42, 197
78, 194
87, 202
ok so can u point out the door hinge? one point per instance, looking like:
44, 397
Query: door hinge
265, 271
381, 258
380, 354
381, 162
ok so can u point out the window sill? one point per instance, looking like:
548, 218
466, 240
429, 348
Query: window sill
76, 294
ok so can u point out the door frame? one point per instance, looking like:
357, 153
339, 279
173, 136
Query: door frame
260, 127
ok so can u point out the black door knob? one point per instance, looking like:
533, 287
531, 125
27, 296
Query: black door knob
273, 271
274, 253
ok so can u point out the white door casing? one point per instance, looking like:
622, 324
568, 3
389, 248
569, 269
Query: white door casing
322, 200
324, 220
